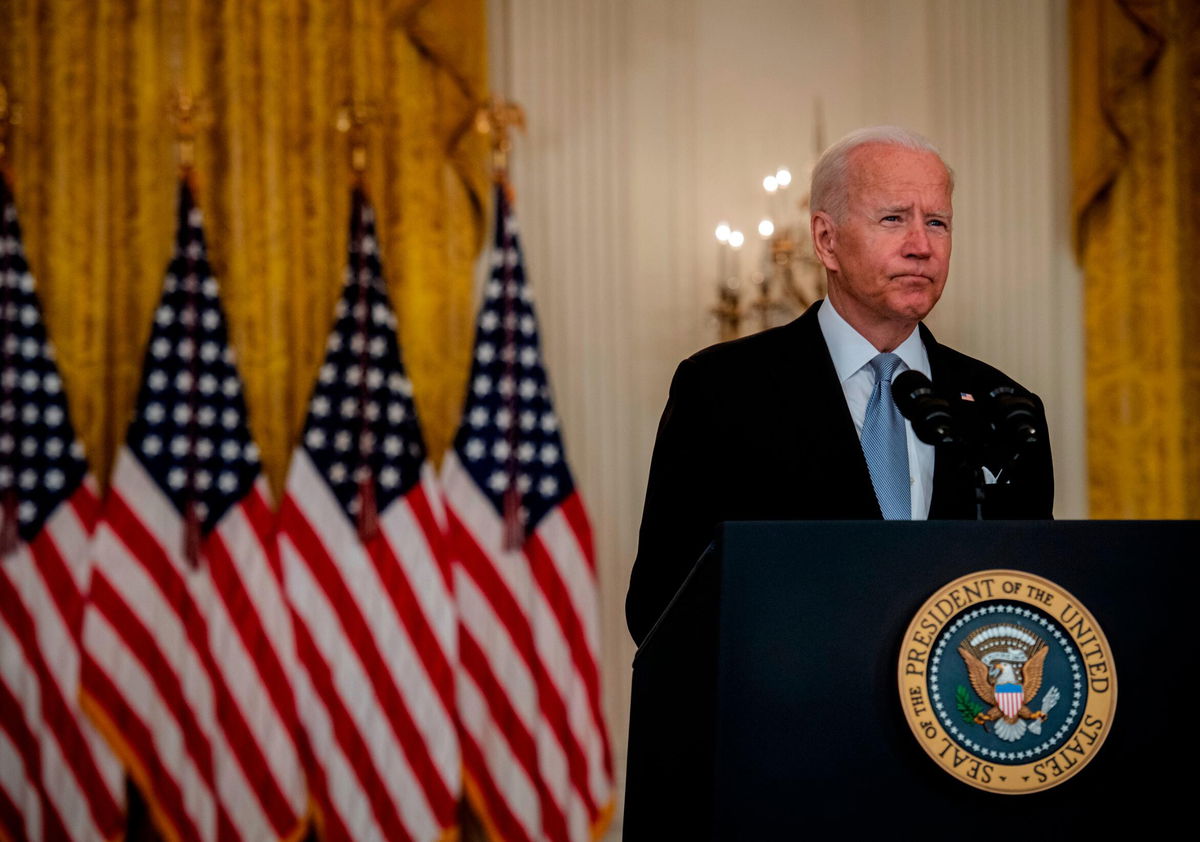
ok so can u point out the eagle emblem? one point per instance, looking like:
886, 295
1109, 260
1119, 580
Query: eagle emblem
1004, 664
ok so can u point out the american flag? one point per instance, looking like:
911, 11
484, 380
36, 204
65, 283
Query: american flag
535, 747
188, 650
361, 537
58, 780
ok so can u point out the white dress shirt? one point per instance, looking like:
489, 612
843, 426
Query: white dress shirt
851, 353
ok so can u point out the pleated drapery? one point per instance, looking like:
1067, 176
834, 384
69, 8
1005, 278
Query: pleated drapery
94, 160
1136, 214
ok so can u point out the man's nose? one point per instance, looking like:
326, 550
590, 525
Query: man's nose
916, 243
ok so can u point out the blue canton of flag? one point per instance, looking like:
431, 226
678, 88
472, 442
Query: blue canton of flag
510, 441
362, 431
41, 462
190, 431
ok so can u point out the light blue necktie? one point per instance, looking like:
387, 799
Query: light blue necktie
885, 444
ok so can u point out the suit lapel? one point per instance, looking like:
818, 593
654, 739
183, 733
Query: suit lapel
830, 452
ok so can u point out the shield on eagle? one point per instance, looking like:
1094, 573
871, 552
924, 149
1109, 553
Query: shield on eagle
1009, 698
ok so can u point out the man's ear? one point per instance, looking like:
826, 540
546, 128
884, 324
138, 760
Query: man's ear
824, 237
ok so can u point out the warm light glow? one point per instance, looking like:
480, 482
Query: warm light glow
736, 238
723, 232
766, 228
770, 184
783, 177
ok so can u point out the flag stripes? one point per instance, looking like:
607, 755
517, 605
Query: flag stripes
383, 647
171, 622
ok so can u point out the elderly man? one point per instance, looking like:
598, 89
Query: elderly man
798, 422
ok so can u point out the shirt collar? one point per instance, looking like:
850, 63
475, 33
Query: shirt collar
851, 351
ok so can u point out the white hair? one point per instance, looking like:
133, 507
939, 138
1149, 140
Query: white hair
830, 193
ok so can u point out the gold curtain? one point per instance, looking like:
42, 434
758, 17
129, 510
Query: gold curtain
94, 165
1136, 211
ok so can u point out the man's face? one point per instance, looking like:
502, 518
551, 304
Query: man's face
889, 257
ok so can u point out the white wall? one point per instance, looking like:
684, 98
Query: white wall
649, 120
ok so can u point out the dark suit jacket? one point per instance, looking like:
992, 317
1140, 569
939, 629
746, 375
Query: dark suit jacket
758, 429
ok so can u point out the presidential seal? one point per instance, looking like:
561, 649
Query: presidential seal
1007, 681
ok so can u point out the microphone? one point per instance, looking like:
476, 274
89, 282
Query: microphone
930, 414
1013, 415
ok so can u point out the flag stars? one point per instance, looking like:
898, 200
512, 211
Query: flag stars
389, 477
478, 417
230, 419
315, 438
498, 481
475, 449
157, 381
210, 351
227, 482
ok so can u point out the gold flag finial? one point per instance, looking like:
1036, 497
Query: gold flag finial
496, 118
352, 119
189, 112
10, 115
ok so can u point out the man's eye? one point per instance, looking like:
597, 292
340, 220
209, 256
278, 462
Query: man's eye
890, 218
941, 223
